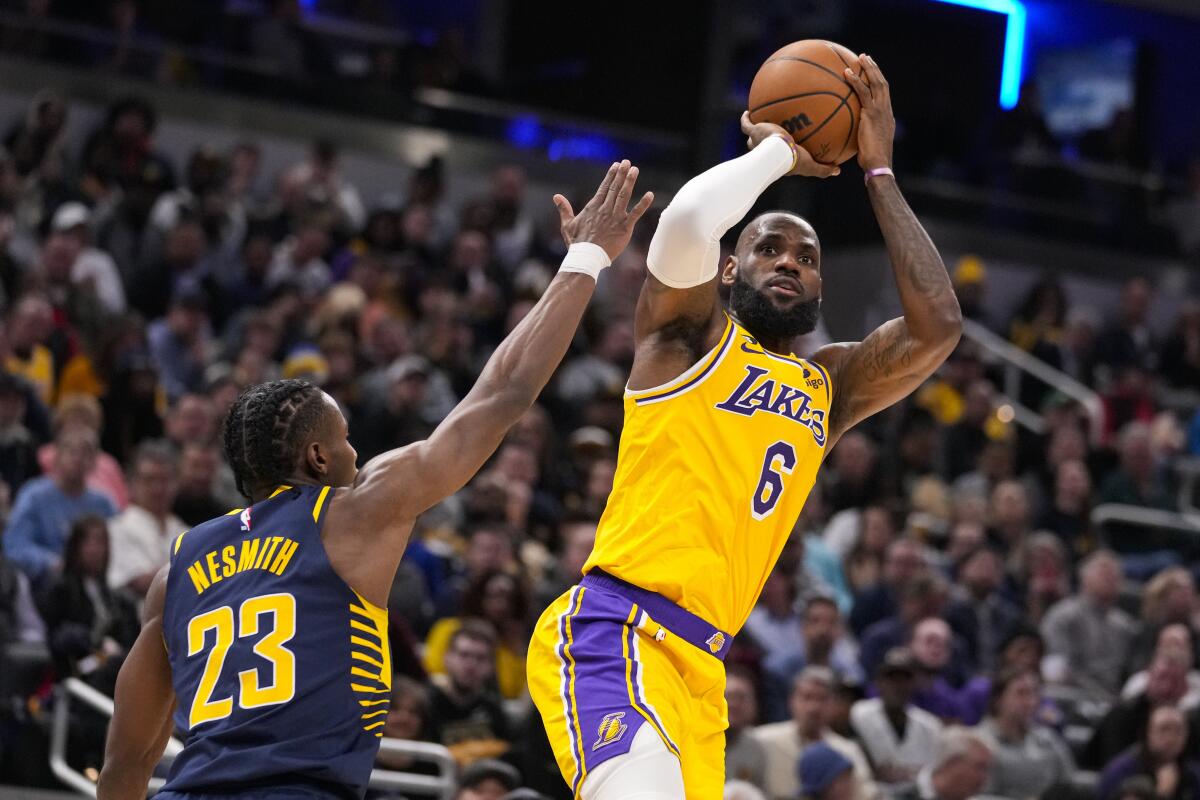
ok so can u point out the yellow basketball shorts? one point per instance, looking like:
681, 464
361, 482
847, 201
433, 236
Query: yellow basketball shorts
606, 658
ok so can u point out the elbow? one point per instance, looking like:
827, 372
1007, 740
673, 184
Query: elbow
948, 323
683, 216
952, 323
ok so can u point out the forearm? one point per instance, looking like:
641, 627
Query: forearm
931, 310
124, 780
686, 246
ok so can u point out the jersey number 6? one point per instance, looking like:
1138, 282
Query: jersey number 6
780, 460
282, 608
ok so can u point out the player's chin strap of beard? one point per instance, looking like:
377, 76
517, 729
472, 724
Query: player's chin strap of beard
585, 257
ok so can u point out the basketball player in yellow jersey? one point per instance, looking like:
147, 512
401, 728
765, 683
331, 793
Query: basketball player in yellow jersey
725, 428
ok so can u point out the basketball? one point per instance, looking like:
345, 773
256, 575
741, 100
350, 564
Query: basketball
801, 87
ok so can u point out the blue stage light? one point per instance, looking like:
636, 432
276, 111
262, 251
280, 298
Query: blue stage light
1014, 44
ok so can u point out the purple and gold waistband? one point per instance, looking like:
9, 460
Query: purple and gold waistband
681, 622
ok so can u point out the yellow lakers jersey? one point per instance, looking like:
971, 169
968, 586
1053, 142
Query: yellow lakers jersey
712, 472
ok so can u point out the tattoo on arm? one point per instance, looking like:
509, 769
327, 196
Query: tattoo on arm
875, 373
885, 355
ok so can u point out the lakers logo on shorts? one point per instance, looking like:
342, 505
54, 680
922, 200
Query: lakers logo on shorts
611, 729
715, 642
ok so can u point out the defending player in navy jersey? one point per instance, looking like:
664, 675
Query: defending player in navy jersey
265, 638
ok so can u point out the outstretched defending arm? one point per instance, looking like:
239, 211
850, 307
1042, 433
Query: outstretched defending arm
896, 358
399, 485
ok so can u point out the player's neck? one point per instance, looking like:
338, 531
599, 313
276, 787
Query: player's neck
264, 493
780, 346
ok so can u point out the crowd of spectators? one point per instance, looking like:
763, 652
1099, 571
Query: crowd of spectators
946, 614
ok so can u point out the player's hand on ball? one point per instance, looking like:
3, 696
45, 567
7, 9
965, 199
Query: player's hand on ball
806, 165
877, 126
607, 219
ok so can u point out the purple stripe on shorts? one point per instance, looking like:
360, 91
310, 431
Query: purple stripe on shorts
566, 683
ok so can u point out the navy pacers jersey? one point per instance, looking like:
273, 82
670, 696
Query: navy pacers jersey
282, 671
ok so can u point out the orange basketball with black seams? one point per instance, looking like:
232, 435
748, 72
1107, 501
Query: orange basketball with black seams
802, 87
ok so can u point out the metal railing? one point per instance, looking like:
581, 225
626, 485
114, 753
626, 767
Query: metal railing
441, 785
1018, 363
1142, 517
1162, 537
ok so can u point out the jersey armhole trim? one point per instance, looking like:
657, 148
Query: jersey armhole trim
825, 375
320, 504
692, 377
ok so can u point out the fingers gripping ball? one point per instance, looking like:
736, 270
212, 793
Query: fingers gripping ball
802, 88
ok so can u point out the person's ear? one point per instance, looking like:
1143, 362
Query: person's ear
317, 461
729, 270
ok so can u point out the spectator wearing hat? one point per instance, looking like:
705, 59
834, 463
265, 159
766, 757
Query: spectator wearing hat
45, 507
970, 285
811, 706
401, 415
826, 774
956, 770
487, 779
68, 249
898, 737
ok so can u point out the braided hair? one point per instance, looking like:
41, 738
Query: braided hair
265, 429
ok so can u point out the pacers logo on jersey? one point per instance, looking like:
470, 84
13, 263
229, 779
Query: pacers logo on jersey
715, 642
611, 729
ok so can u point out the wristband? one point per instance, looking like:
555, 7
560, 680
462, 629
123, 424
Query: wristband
791, 143
871, 173
585, 257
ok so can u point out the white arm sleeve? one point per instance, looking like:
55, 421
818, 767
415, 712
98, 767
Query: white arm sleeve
686, 247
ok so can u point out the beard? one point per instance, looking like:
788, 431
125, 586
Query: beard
765, 320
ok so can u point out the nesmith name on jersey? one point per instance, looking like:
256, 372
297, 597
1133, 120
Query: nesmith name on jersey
272, 553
